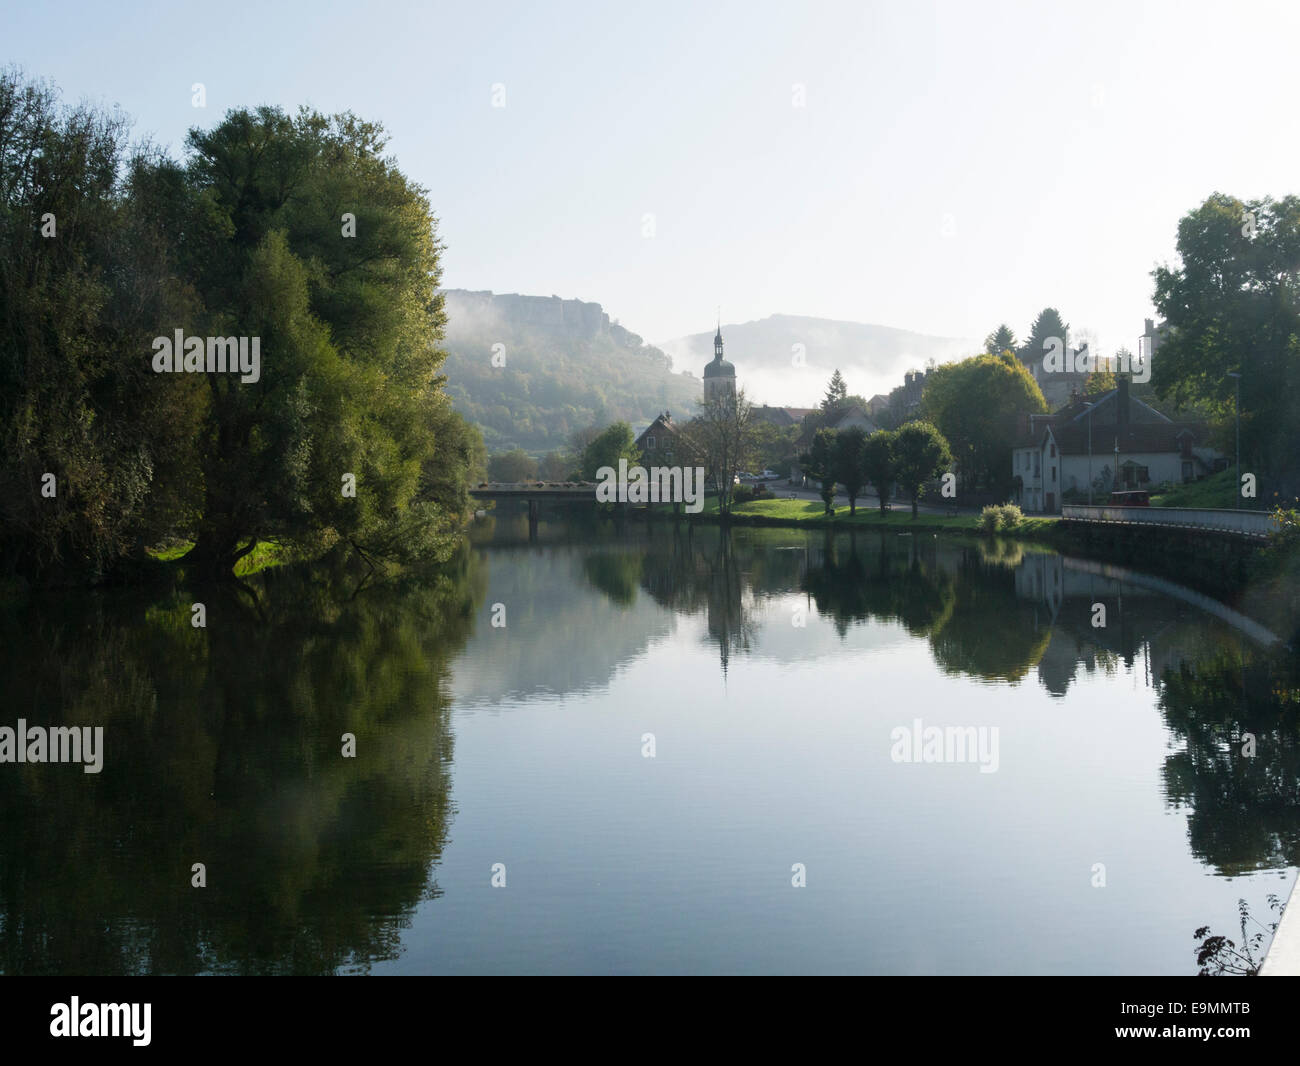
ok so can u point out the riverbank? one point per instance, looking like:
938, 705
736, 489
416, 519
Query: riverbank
1258, 579
811, 514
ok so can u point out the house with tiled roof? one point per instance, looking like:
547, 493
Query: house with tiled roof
781, 416
1092, 447
659, 441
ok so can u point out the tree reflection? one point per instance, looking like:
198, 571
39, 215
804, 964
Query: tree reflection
1243, 808
223, 746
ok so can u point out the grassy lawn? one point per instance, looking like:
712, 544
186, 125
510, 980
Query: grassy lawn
1217, 490
812, 512
265, 554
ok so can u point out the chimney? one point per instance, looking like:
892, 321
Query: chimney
1122, 402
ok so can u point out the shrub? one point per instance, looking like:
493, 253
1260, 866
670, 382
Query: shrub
1009, 516
1287, 534
1000, 518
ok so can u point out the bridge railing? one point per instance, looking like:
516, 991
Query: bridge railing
1244, 523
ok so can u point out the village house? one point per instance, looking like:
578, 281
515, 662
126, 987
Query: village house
659, 441
1056, 457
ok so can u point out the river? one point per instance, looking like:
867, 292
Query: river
645, 749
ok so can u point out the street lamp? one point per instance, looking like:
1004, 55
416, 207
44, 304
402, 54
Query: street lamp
1236, 406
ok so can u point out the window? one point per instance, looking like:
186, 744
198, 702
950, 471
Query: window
649, 444
1187, 472
1053, 451
1053, 475
1037, 465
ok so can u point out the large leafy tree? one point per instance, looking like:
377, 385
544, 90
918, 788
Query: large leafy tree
349, 328
880, 463
95, 449
1233, 304
975, 404
850, 461
514, 465
606, 448
922, 454
819, 464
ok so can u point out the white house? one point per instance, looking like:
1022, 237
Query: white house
1056, 457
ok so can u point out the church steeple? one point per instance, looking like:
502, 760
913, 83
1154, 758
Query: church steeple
719, 375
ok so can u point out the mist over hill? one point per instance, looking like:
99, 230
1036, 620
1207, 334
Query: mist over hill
872, 358
566, 367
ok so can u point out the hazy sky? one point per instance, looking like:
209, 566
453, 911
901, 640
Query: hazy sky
953, 165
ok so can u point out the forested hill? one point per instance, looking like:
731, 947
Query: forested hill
566, 367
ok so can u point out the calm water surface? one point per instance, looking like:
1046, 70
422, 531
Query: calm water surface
768, 669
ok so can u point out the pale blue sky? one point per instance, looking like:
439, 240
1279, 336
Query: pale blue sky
1064, 141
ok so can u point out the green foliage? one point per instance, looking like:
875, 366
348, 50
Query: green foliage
1000, 518
750, 493
555, 384
922, 454
86, 273
1286, 537
774, 446
880, 463
555, 466
1102, 381
1046, 326
819, 464
1216, 491
850, 463
606, 449
349, 331
836, 393
514, 465
243, 241
975, 404
1002, 339
1009, 517
1234, 305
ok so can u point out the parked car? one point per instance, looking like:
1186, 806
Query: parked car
1131, 498
769, 475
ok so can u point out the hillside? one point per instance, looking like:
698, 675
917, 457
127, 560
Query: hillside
567, 367
872, 358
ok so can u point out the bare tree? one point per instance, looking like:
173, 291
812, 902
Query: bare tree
723, 440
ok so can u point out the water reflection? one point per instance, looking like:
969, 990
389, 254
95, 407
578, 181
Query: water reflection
223, 744
223, 748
